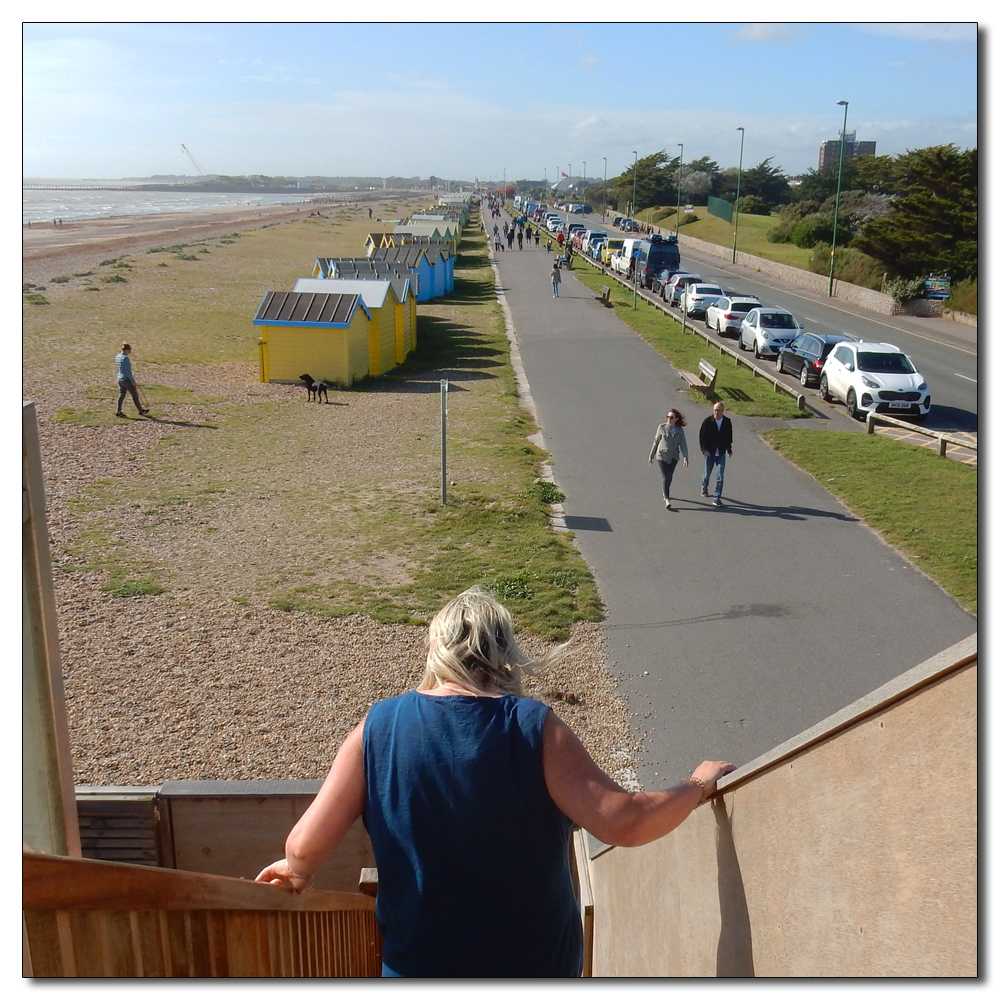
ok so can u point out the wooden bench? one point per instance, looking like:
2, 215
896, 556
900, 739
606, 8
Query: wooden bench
705, 379
605, 297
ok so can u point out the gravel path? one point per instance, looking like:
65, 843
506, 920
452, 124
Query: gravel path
195, 686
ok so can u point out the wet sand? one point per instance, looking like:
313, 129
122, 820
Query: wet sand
82, 244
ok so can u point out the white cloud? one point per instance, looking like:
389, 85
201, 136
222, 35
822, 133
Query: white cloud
924, 31
590, 62
766, 32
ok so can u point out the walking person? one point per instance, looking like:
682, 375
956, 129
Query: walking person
510, 238
126, 381
669, 446
716, 441
537, 237
470, 792
556, 279
520, 239
497, 243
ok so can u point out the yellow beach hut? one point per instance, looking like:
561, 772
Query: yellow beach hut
382, 300
323, 335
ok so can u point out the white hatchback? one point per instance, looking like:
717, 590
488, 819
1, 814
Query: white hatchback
879, 377
725, 315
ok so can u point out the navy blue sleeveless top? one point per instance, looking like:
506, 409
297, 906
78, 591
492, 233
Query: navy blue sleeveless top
472, 853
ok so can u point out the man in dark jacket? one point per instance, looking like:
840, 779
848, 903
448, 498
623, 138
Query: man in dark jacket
716, 440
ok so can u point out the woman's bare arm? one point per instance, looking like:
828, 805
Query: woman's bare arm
595, 802
323, 825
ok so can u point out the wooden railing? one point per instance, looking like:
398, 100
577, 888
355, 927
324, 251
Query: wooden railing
86, 918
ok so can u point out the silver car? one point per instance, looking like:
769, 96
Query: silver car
767, 330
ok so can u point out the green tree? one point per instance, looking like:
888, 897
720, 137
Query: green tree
933, 223
654, 182
766, 182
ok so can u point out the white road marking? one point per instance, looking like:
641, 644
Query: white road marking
966, 377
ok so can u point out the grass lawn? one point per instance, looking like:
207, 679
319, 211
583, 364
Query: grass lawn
924, 505
751, 235
741, 391
254, 495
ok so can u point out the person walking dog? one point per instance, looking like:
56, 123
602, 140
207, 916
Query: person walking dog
126, 381
716, 441
668, 447
556, 279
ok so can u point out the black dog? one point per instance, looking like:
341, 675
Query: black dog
316, 388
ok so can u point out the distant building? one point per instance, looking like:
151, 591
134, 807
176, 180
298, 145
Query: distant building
829, 152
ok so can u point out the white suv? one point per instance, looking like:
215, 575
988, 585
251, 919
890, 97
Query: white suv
877, 377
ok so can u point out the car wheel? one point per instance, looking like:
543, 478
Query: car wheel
804, 375
756, 350
824, 390
780, 364
852, 406
739, 341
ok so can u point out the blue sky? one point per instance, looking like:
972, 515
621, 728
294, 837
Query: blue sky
468, 100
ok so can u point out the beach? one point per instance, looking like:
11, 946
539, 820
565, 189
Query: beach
192, 683
81, 244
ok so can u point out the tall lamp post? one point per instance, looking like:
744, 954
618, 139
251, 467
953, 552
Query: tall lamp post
604, 207
680, 164
739, 175
836, 204
503, 190
585, 178
634, 168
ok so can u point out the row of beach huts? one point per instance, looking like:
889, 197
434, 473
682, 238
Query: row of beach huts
357, 316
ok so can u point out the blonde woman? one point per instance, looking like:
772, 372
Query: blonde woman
470, 792
668, 447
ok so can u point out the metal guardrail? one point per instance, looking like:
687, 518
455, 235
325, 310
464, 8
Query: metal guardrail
779, 386
943, 439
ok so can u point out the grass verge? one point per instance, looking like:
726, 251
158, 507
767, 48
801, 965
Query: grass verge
922, 504
741, 391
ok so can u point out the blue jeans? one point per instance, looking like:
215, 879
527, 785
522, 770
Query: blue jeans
555, 288
718, 462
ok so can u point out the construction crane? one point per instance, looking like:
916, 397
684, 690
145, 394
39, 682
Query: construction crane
193, 160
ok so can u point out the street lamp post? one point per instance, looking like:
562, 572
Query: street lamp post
836, 204
503, 190
635, 166
604, 207
584, 178
680, 164
739, 174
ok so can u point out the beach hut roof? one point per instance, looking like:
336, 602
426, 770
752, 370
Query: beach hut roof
308, 309
372, 291
408, 255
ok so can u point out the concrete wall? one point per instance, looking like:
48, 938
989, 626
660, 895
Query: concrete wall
867, 298
848, 851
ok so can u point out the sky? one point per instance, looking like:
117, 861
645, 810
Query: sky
481, 100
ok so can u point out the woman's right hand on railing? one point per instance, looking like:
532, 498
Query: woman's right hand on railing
280, 873
709, 771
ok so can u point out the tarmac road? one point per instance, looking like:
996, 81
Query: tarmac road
729, 630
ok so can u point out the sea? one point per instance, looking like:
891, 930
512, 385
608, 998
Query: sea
70, 205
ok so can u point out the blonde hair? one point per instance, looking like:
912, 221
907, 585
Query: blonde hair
471, 642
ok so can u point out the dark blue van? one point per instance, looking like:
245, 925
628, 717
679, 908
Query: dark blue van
655, 254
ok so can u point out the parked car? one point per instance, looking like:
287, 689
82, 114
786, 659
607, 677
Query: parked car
656, 253
805, 355
671, 292
871, 376
594, 238
617, 220
629, 226
766, 330
609, 247
725, 315
663, 278
696, 298
553, 224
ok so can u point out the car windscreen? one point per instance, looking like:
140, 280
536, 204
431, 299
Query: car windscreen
741, 307
890, 364
661, 257
778, 321
706, 290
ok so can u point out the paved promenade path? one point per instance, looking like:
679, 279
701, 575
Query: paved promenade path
729, 629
